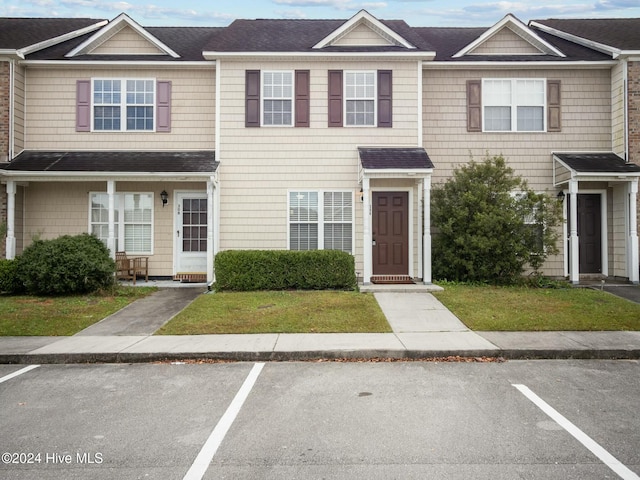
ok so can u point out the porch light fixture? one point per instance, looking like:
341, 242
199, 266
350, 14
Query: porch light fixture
560, 196
165, 197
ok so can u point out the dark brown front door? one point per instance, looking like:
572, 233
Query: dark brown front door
390, 233
589, 232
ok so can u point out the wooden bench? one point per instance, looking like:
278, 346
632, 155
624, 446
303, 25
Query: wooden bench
129, 268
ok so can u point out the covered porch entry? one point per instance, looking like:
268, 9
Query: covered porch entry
396, 188
130, 200
600, 194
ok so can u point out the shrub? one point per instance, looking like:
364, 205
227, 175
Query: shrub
68, 264
9, 276
488, 225
246, 270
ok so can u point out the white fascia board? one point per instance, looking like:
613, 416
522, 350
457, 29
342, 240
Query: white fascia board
209, 64
362, 17
62, 38
85, 46
532, 65
49, 176
395, 172
211, 55
632, 55
601, 47
519, 29
10, 54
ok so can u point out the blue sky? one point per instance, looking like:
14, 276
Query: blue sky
463, 13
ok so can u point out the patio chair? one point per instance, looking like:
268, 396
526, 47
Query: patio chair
129, 268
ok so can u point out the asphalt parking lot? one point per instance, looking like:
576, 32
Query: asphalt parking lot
559, 419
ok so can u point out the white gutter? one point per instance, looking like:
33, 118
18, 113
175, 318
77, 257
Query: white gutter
528, 65
212, 55
118, 63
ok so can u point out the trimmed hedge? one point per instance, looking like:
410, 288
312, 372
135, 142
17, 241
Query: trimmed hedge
9, 276
247, 270
67, 264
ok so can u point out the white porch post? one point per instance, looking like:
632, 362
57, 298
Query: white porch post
574, 264
210, 218
426, 239
367, 238
11, 220
111, 236
634, 258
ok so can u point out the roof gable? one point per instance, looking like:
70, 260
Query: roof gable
363, 30
509, 37
122, 31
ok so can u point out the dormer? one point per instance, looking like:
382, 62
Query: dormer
122, 36
509, 37
364, 30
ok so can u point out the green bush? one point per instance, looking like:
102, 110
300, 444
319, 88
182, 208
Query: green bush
247, 270
67, 264
9, 276
489, 225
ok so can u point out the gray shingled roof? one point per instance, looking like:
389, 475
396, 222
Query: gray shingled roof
400, 158
448, 41
621, 33
125, 162
265, 35
16, 33
597, 163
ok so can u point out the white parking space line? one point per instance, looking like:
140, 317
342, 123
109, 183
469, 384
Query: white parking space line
608, 459
203, 460
19, 372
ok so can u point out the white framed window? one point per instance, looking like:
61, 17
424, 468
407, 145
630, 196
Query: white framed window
123, 104
321, 220
514, 105
133, 220
277, 98
360, 98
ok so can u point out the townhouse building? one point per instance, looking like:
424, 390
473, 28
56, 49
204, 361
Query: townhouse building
178, 142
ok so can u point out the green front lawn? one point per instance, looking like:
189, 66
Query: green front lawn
486, 308
279, 312
63, 315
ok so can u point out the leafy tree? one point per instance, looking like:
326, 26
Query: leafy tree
489, 225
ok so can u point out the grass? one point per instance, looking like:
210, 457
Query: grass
486, 308
63, 315
279, 312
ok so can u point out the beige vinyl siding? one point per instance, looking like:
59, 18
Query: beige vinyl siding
50, 120
362, 35
586, 126
52, 209
19, 219
259, 165
619, 231
19, 110
618, 108
126, 42
506, 41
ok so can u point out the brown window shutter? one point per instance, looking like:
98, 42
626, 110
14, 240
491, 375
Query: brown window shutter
252, 98
83, 105
335, 98
385, 89
554, 117
474, 105
302, 98
163, 106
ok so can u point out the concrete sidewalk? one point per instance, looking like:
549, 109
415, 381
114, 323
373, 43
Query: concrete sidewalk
422, 328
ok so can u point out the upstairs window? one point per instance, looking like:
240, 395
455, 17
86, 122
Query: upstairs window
513, 105
277, 94
360, 98
116, 99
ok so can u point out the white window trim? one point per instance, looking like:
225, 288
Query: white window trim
264, 98
321, 221
346, 99
514, 105
123, 104
119, 206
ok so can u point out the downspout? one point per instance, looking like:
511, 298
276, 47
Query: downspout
625, 82
11, 145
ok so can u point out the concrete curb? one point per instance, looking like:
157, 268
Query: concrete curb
345, 355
